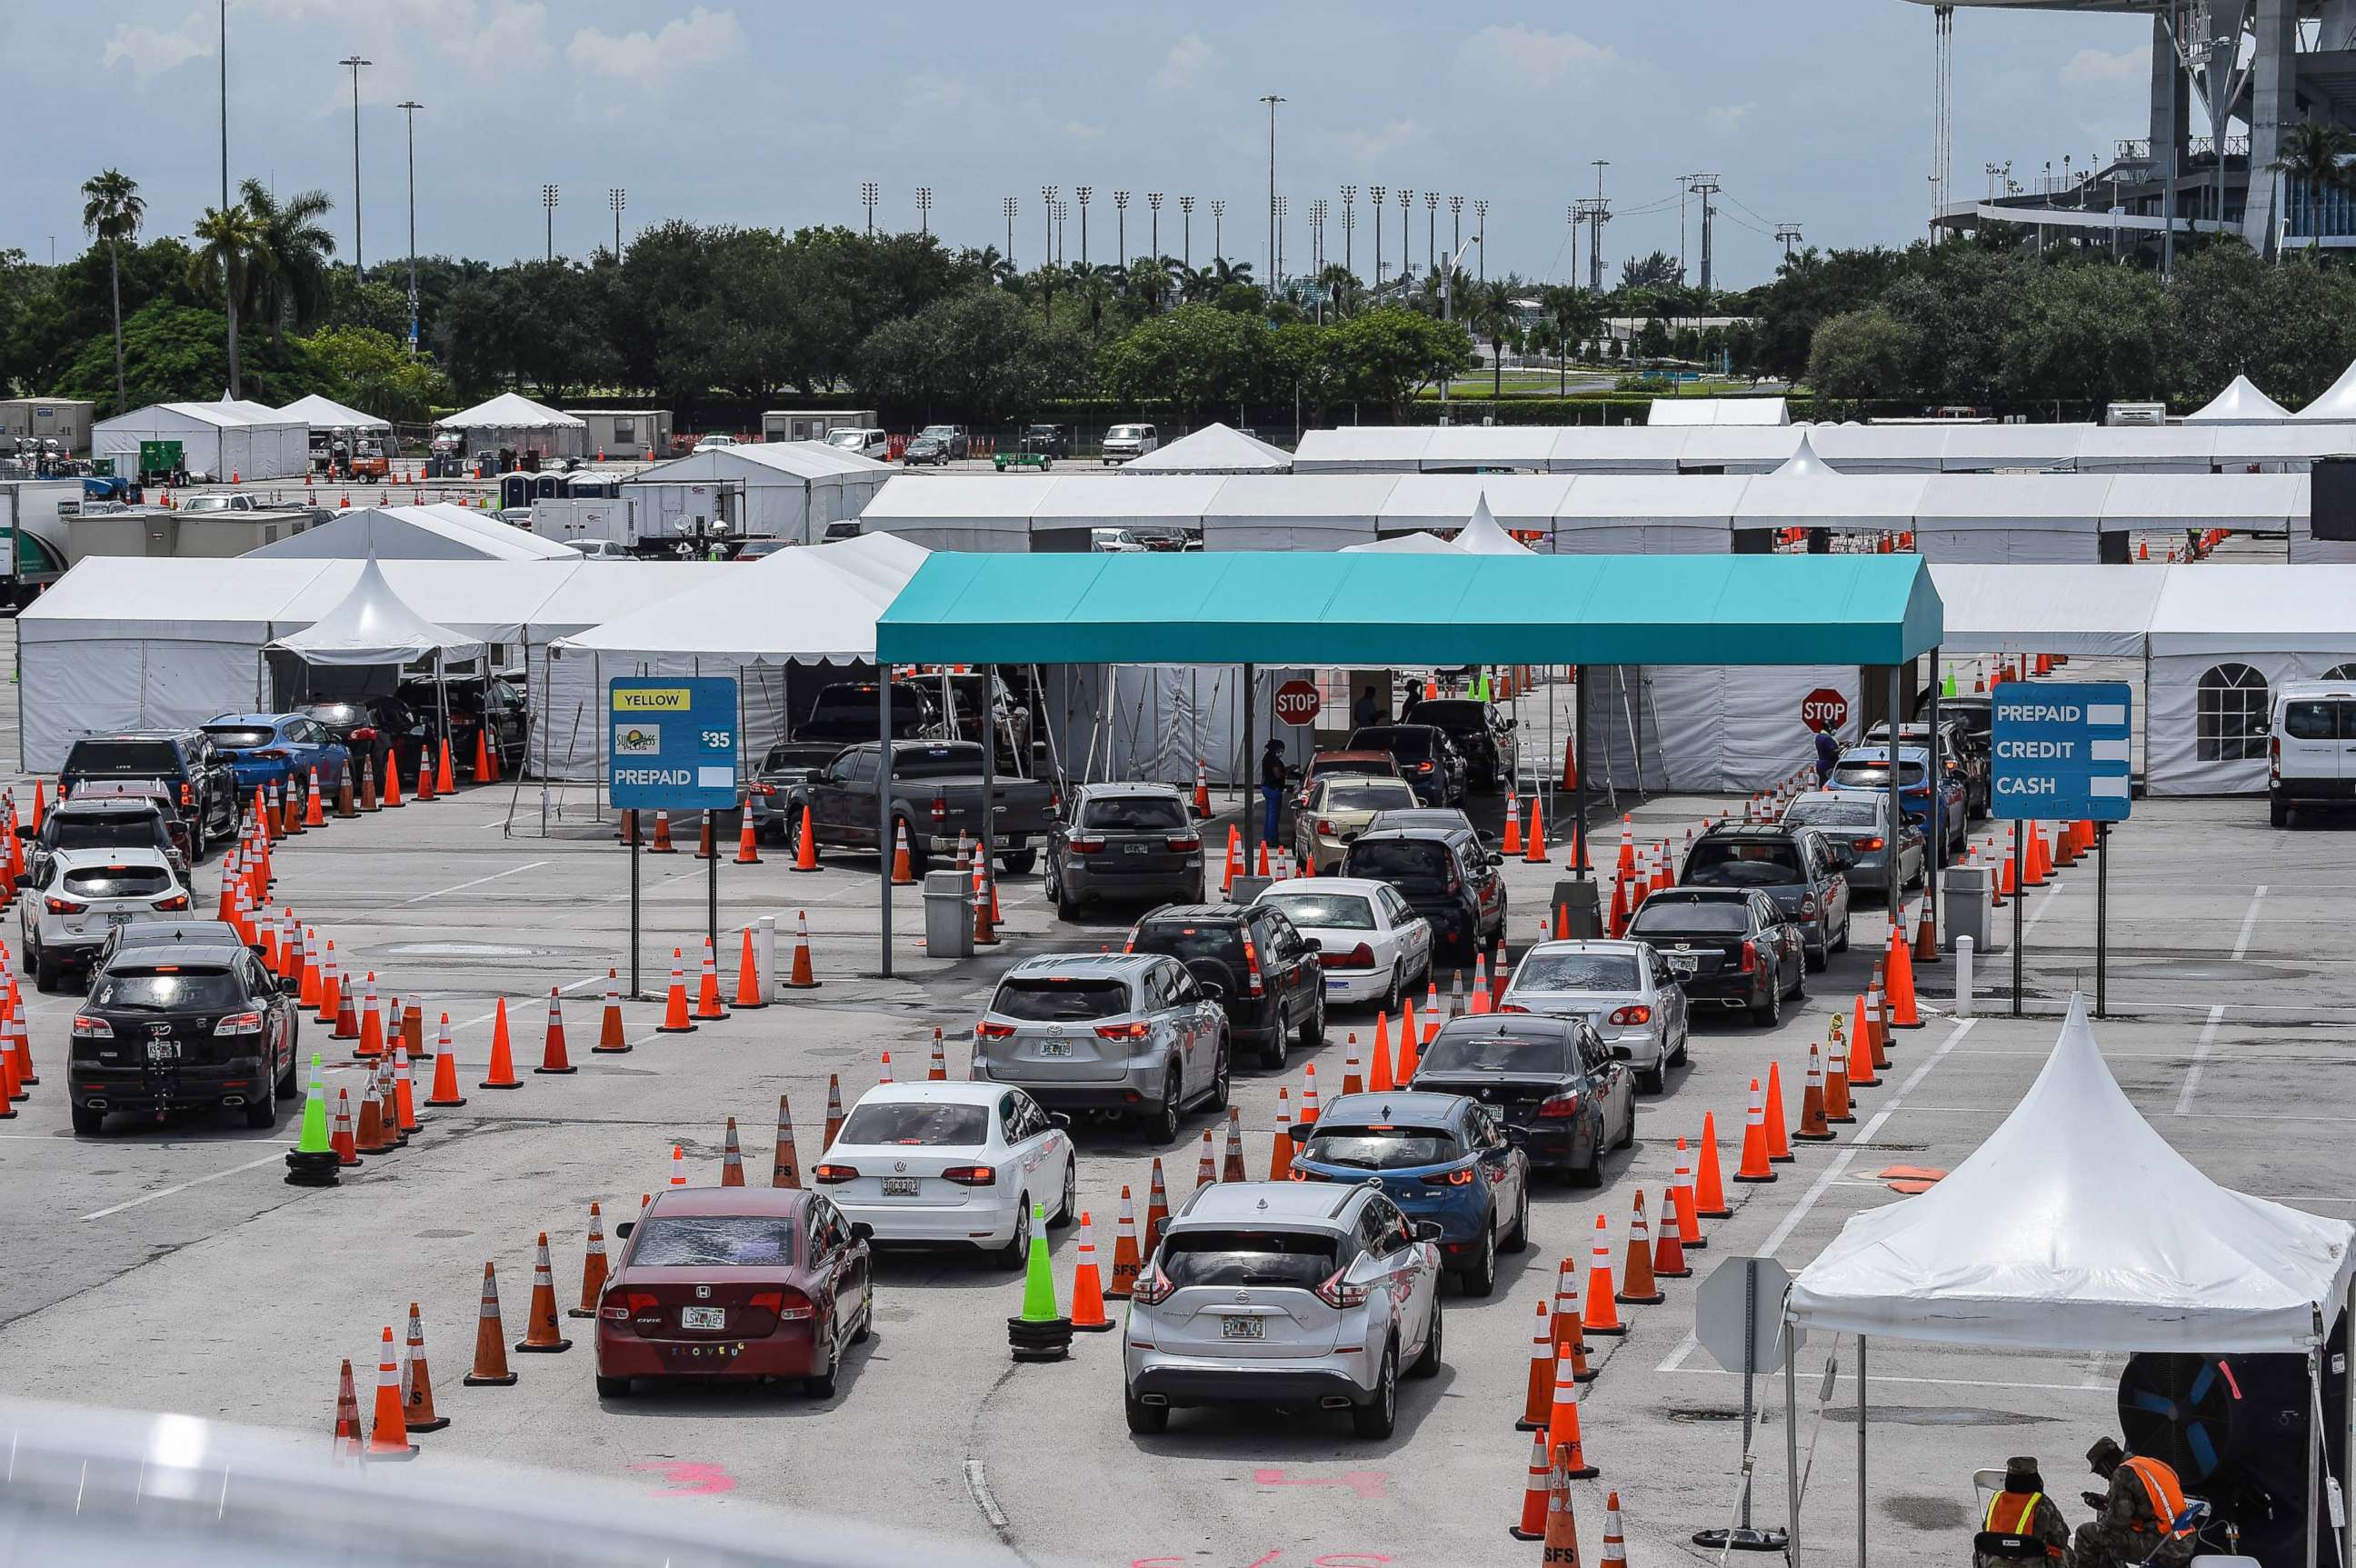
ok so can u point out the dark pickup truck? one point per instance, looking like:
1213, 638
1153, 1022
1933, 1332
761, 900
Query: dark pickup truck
935, 795
184, 762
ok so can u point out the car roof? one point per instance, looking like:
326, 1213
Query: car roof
1078, 965
173, 933
1840, 792
786, 1202
1321, 1205
1580, 944
124, 854
1686, 893
1400, 1105
139, 735
1448, 705
929, 1093
2288, 690
1403, 727
1397, 817
124, 805
223, 953
1881, 754
251, 718
1332, 780
1763, 831
1440, 836
1364, 886
1506, 1024
1202, 914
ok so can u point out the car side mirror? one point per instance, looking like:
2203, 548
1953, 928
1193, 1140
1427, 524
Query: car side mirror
1314, 944
862, 1231
1059, 1119
622, 1231
1299, 1132
1495, 859
1515, 1137
1212, 989
289, 984
1429, 1230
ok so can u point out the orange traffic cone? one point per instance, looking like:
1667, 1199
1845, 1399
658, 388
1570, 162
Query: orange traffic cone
749, 996
1778, 1144
1206, 1163
611, 1039
747, 852
806, 844
1637, 1286
1861, 1073
800, 978
1615, 1549
444, 784
445, 1073
785, 1167
368, 801
1378, 1071
1537, 1400
1409, 1058
732, 1158
937, 1070
1681, 1215
675, 1018
1281, 1147
554, 1059
347, 1438
490, 1368
1231, 1168
1537, 1493
1124, 1250
833, 1112
1562, 1434
1569, 1338
539, 1333
593, 1267
904, 873
1512, 842
404, 1092
1308, 1095
677, 1165
389, 1432
391, 796
1601, 1317
503, 1074
707, 987
1353, 1076
1157, 1209
417, 1381
343, 1140
484, 772
314, 814
1534, 848
1088, 1287
1668, 1248
1755, 1166
661, 843
1710, 1197
1812, 1128
1903, 1014
374, 1137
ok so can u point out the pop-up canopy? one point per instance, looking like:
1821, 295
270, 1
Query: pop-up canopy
373, 624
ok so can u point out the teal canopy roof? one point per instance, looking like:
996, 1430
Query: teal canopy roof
1331, 608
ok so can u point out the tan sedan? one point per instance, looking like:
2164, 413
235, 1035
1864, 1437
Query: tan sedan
1338, 812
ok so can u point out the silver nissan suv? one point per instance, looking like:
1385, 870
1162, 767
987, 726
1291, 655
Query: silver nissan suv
1131, 1034
1303, 1295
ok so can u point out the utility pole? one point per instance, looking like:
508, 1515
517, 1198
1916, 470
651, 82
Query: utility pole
1010, 207
1317, 253
411, 116
1271, 100
355, 62
923, 210
1283, 210
1598, 215
617, 199
1705, 186
1481, 233
1787, 236
1349, 226
1120, 226
1048, 248
1186, 232
548, 201
1376, 194
1571, 215
1081, 193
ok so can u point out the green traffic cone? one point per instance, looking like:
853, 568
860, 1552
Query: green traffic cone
1481, 685
1039, 1278
1947, 687
312, 1161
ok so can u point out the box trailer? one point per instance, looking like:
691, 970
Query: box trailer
63, 420
812, 425
632, 435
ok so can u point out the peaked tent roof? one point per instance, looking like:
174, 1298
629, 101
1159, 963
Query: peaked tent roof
1416, 543
1213, 449
373, 624
2240, 404
510, 410
2108, 1240
442, 531
327, 413
813, 605
1484, 536
2337, 404
798, 459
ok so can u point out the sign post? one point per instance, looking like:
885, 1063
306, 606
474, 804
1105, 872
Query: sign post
2062, 751
672, 748
1730, 1324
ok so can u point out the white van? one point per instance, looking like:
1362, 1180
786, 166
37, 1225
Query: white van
2311, 754
859, 441
1123, 442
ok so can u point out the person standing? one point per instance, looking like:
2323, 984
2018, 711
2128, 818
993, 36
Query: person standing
1271, 787
1828, 757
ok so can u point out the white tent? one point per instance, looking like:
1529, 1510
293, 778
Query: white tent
1523, 502
1808, 492
373, 624
2240, 404
1213, 449
442, 531
1405, 545
1486, 448
1647, 514
1483, 536
958, 511
2094, 612
1722, 413
2224, 639
1362, 449
511, 420
2338, 403
1295, 511
317, 413
217, 439
782, 490
2021, 518
1074, 503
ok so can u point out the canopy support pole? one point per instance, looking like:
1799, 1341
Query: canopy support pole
883, 814
1895, 874
1861, 1556
1939, 793
1579, 859
2315, 1501
1252, 824
1791, 1444
2347, 1412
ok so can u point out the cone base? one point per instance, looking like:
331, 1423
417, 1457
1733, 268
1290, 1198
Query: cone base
662, 849
747, 1007
801, 984
1582, 1472
674, 1028
1764, 1176
596, 1050
1916, 1025
446, 1104
313, 1169
1587, 1376
1741, 1539
1105, 1327
1654, 1300
1780, 1159
1613, 1331
436, 1424
1518, 1533
555, 1071
1661, 1273
579, 1312
530, 1349
1526, 1424
373, 1452
805, 868
1857, 1083
1710, 1214
715, 1014
748, 860
511, 1083
502, 1381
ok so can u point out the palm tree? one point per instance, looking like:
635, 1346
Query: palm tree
290, 267
2313, 154
112, 210
1493, 318
227, 242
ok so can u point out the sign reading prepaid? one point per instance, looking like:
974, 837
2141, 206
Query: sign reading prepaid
2061, 750
674, 743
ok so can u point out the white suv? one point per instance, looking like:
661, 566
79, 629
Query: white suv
1296, 1293
2311, 754
85, 893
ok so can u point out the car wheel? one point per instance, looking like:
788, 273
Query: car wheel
822, 1387
1392, 993
1279, 1043
1312, 1029
1628, 1133
1376, 1418
1067, 903
1770, 1012
1816, 958
1518, 1237
1684, 1036
1144, 1419
1480, 1277
1223, 1073
260, 1113
1842, 946
1654, 1078
89, 1124
1428, 1364
1162, 1122
612, 1387
285, 1087
1017, 1252
1067, 1207
47, 971
2277, 812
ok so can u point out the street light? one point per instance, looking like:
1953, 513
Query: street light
1153, 201
1047, 236
923, 210
1010, 207
1349, 225
1376, 193
1283, 210
1481, 234
1432, 228
355, 62
1081, 194
548, 200
1275, 257
1406, 201
1186, 235
867, 195
1218, 229
408, 112
1120, 226
1456, 224
617, 199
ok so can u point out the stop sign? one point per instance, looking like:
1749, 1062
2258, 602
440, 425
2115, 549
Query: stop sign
1296, 703
1823, 709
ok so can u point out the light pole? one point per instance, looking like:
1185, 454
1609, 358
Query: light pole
1010, 207
408, 112
1120, 226
1153, 201
548, 200
1431, 229
1456, 225
1376, 194
1317, 253
1063, 210
867, 195
1406, 201
224, 102
1481, 233
1283, 211
1218, 229
1186, 232
1274, 259
1047, 237
355, 62
1082, 193
1349, 226
923, 210
617, 199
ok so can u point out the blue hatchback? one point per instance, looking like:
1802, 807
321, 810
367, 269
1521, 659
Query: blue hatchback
1867, 767
263, 749
1441, 1157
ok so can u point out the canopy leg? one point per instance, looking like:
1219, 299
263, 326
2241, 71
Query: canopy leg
1861, 1558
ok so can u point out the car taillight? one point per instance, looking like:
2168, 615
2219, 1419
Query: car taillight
239, 1024
831, 1175
790, 1305
1086, 846
365, 732
767, 791
1359, 957
1750, 956
971, 1175
1251, 966
1153, 1287
87, 1028
1186, 845
994, 1031
187, 795
1326, 828
1335, 1293
1635, 1014
1511, 1007
1463, 1178
1865, 845
1808, 906
1131, 945
64, 906
177, 901
272, 754
940, 808
1423, 767
620, 1307
1560, 1106
1123, 1031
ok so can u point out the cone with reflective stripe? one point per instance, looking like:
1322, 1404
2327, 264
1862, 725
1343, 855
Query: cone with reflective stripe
1861, 1074
732, 1158
1637, 1286
675, 1018
503, 1073
1512, 842
490, 1368
20, 1046
1533, 1495
389, 1430
1569, 1335
785, 1165
1812, 1128
1157, 1211
343, 1140
611, 1039
751, 994
884, 1069
1088, 1285
554, 1059
1231, 1168
1903, 1014
1616, 1550
661, 843
1668, 1247
1124, 1257
677, 1165
593, 1267
799, 977
1680, 1216
1478, 999
1537, 1400
833, 1112
1755, 1166
1206, 1164
1877, 1012
1563, 1430
1281, 1148
404, 1092
903, 871
707, 987
1709, 1197
1779, 1143
367, 784
937, 1070
747, 852
1353, 1076
387, 1110
1603, 1316
1378, 1065
446, 1072
540, 1334
347, 1438
373, 1136
417, 1380
1308, 1095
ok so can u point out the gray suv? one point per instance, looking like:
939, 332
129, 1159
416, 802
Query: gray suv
1123, 841
1130, 1034
1297, 1294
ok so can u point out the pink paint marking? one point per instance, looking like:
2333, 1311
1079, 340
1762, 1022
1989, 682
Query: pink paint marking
689, 1479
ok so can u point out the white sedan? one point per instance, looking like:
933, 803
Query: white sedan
952, 1165
83, 894
1374, 948
1625, 989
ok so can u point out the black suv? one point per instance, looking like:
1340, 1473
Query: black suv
184, 1022
101, 818
1447, 875
1047, 440
194, 773
375, 728
1271, 980
1427, 757
1485, 736
1803, 871
470, 697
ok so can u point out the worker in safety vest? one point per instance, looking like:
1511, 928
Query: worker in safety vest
2022, 1511
2141, 1513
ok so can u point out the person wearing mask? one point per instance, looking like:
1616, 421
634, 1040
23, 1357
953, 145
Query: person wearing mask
1366, 710
2021, 1512
1829, 751
1271, 786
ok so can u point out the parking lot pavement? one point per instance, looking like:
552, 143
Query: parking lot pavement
171, 1268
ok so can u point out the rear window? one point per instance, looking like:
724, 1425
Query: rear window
109, 832
338, 714
1744, 863
118, 881
1449, 714
1405, 862
1487, 1050
938, 762
1380, 766
713, 1241
2319, 721
1053, 1001
239, 736
1876, 775
1833, 814
1407, 743
1725, 917
164, 989
1374, 795
124, 758
1187, 941
1577, 972
1332, 911
1384, 1148
1248, 1258
959, 1126
1133, 813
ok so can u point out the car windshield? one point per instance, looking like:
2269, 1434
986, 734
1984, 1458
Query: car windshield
1544, 970
1488, 1050
1834, 814
1327, 911
1133, 813
1744, 863
1187, 941
1375, 795
208, 503
1404, 863
1714, 916
1248, 1258
337, 713
116, 881
938, 431
1876, 775
124, 758
167, 988
1054, 999
713, 1241
847, 439
856, 704
919, 1123
1381, 1148
237, 738
1125, 432
81, 830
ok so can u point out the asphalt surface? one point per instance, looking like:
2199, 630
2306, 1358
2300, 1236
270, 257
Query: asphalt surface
170, 1268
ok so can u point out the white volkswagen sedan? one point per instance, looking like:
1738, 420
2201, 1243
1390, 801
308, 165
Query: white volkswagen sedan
1374, 948
83, 894
1625, 989
951, 1165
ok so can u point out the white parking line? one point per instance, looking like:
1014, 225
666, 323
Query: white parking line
2217, 1014
461, 887
272, 1158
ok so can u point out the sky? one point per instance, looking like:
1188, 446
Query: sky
1809, 111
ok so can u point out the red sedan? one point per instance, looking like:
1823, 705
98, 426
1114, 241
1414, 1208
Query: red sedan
749, 1281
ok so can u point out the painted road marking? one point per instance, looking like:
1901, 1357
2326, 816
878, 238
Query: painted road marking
462, 886
182, 1187
2217, 1014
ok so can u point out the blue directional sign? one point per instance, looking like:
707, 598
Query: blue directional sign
673, 743
2062, 749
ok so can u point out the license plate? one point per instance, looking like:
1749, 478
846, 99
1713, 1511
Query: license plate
899, 1187
1136, 849
118, 919
163, 1050
704, 1318
1242, 1329
1053, 1048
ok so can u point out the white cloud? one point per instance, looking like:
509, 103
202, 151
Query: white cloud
516, 38
151, 51
1390, 138
1531, 57
2092, 67
1728, 117
1183, 63
701, 38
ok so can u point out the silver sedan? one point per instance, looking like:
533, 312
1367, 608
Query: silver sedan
1624, 989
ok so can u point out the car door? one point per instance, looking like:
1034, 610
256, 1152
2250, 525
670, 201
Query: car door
1059, 831
1487, 1140
1415, 934
1669, 997
1615, 1089
1409, 1273
1030, 1138
1163, 996
851, 1262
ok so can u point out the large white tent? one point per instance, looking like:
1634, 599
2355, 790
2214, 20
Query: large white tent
513, 421
1721, 412
1213, 449
784, 489
2337, 404
219, 440
317, 414
2223, 639
963, 511
1521, 503
443, 530
1286, 511
373, 624
2240, 404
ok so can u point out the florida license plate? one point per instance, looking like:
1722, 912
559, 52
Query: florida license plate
899, 1187
163, 1050
704, 1318
1053, 1048
118, 919
1242, 1329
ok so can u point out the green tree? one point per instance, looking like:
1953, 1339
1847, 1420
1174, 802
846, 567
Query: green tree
1386, 355
111, 211
1659, 270
228, 242
1197, 357
2314, 153
175, 353
2088, 333
1653, 338
981, 353
1809, 287
372, 372
289, 268
1861, 354
1494, 318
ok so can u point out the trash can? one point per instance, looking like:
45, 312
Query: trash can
1577, 907
949, 915
1964, 910
1247, 889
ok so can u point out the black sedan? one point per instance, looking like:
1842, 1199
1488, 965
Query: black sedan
187, 1022
1550, 1076
1730, 947
1483, 735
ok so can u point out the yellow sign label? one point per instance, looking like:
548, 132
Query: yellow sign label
651, 700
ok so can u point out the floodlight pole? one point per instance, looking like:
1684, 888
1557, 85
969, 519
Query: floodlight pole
883, 811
